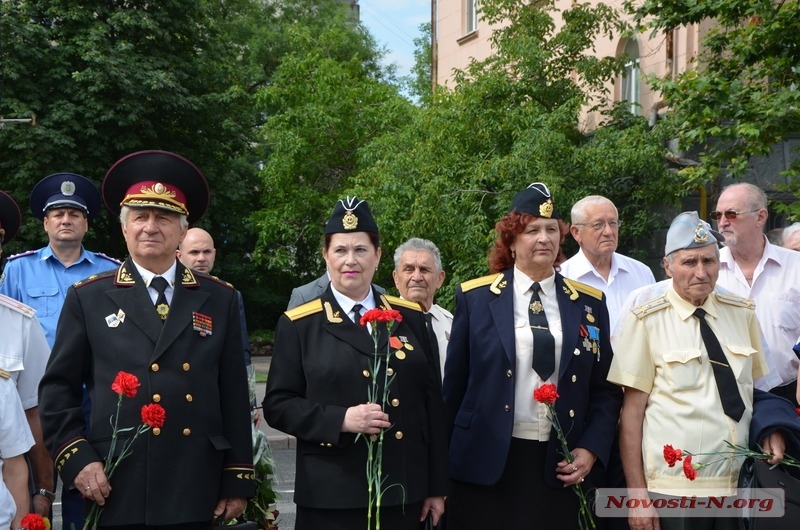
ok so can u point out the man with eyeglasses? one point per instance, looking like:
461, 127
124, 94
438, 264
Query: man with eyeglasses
752, 267
595, 226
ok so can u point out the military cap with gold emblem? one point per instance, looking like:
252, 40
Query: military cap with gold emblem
687, 230
10, 218
535, 200
65, 190
351, 215
156, 179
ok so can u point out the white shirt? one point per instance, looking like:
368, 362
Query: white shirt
347, 305
23, 349
441, 321
776, 292
148, 276
626, 275
15, 439
530, 417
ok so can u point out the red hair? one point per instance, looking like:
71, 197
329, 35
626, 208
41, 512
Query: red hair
508, 228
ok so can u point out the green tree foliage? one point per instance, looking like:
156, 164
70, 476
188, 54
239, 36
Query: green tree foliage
513, 119
742, 95
326, 100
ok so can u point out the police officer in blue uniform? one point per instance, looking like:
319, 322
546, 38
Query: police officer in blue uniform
65, 202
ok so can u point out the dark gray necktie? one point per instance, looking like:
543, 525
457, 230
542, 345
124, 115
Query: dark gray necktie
727, 387
432, 335
544, 345
159, 283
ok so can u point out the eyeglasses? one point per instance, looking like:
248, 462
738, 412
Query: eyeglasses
597, 226
729, 214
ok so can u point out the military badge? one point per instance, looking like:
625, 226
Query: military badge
202, 324
332, 317
700, 234
67, 188
546, 208
349, 221
536, 307
589, 315
112, 321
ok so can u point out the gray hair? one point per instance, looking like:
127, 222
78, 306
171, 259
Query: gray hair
125, 210
417, 243
756, 197
791, 229
578, 213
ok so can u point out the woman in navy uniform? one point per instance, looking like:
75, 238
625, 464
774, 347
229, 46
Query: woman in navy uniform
317, 391
513, 331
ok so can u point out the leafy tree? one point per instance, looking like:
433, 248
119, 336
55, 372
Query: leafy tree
326, 100
742, 96
513, 119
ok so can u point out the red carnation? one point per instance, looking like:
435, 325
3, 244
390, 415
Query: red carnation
546, 393
688, 468
34, 521
125, 383
672, 455
154, 415
381, 315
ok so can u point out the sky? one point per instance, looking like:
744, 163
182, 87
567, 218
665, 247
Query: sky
395, 25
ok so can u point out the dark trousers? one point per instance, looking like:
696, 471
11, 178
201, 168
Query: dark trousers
520, 500
392, 518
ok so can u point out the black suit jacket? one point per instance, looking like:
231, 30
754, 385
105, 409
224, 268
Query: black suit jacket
321, 365
203, 453
480, 372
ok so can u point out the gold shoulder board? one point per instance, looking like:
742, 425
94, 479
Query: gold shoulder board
657, 304
732, 299
480, 282
393, 300
585, 289
302, 311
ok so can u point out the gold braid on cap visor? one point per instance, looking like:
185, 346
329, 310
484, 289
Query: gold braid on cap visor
155, 196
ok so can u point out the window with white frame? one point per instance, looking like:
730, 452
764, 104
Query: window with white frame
631, 77
471, 16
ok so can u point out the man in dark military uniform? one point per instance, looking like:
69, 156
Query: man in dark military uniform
179, 334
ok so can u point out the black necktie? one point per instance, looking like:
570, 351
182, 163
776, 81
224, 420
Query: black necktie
728, 390
544, 345
357, 313
162, 307
432, 337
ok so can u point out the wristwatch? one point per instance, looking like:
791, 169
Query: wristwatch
45, 493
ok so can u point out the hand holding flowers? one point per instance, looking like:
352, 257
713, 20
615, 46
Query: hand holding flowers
153, 416
690, 467
547, 395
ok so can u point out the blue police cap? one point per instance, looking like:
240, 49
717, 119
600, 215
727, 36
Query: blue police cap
10, 218
65, 190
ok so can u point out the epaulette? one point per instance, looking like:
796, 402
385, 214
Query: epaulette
219, 280
94, 277
4, 374
732, 299
494, 281
16, 305
656, 304
582, 288
109, 258
21, 255
394, 300
302, 311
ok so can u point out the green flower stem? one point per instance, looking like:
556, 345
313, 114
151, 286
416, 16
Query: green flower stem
585, 517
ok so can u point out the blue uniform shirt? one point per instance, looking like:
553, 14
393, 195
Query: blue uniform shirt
37, 278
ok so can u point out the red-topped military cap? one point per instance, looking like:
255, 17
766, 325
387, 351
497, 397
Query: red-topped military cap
156, 179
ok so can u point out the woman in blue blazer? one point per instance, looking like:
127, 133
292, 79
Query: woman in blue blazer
521, 327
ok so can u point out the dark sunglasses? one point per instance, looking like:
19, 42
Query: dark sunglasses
729, 214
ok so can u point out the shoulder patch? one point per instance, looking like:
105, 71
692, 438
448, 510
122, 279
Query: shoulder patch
302, 311
732, 299
16, 305
583, 288
109, 258
495, 281
394, 300
21, 255
94, 277
657, 304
